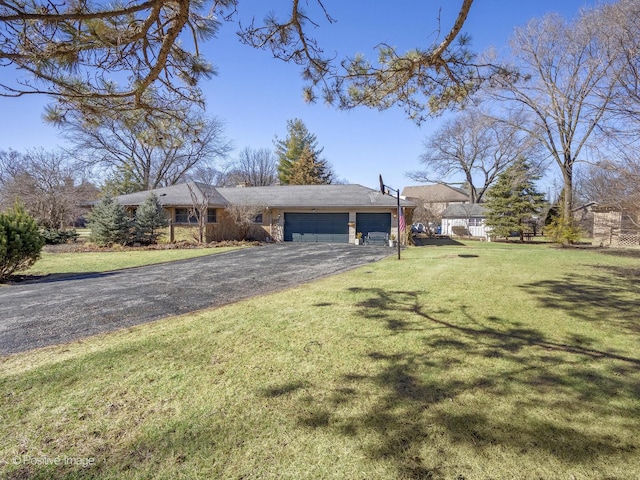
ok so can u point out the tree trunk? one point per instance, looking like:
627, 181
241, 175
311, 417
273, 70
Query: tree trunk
567, 173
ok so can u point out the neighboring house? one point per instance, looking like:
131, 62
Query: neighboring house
469, 218
309, 213
436, 198
614, 227
583, 216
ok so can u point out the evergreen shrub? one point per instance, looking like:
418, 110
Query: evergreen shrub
150, 218
57, 237
20, 241
110, 224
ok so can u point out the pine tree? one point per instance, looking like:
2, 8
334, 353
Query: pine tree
122, 181
20, 241
290, 150
513, 200
558, 228
308, 170
150, 217
109, 223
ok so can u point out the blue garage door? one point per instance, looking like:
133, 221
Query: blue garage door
373, 222
316, 227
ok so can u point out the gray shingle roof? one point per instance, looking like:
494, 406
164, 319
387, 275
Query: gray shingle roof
177, 195
438, 193
310, 196
285, 196
468, 210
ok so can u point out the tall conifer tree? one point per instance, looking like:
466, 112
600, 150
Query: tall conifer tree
513, 200
308, 170
290, 150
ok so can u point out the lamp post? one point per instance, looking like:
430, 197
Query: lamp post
384, 189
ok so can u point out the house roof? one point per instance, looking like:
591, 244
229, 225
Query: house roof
311, 196
464, 211
437, 193
176, 195
591, 206
285, 196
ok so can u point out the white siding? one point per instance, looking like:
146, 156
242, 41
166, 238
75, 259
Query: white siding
474, 230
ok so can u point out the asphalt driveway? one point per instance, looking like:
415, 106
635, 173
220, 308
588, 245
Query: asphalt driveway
45, 313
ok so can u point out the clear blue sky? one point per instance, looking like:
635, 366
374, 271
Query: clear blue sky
254, 95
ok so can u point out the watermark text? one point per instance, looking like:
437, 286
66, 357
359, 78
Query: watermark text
61, 460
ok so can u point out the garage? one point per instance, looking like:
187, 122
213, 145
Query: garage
373, 222
316, 227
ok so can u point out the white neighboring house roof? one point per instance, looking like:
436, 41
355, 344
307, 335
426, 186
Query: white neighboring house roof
471, 210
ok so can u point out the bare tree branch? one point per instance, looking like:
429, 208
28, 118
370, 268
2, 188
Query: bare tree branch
156, 154
564, 80
476, 148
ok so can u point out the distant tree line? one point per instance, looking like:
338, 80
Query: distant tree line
51, 190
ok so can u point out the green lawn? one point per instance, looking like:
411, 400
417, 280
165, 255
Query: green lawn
92, 262
485, 361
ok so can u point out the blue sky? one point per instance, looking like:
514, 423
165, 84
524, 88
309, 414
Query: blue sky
254, 95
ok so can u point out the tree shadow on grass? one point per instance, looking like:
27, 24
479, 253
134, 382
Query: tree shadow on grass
621, 252
483, 385
610, 295
283, 389
549, 392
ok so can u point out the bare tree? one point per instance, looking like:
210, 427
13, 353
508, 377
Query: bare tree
475, 146
211, 175
153, 157
614, 180
620, 30
11, 165
200, 200
47, 185
615, 184
243, 216
256, 168
620, 25
562, 77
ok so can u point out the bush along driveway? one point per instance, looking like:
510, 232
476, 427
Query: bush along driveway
57, 311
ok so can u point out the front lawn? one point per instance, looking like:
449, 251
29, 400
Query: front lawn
484, 361
94, 262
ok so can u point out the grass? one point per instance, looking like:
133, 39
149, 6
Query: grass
484, 361
90, 262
